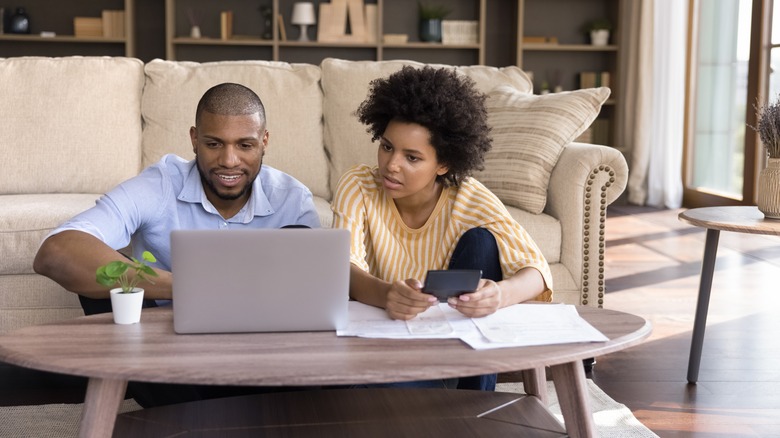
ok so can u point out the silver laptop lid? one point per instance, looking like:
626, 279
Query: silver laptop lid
262, 280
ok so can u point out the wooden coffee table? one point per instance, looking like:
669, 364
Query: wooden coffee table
110, 355
739, 219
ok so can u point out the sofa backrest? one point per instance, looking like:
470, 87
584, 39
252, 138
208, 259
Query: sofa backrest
69, 125
345, 85
290, 93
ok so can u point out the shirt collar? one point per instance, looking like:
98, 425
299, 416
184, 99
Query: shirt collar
257, 205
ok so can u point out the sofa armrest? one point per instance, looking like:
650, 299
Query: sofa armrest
585, 180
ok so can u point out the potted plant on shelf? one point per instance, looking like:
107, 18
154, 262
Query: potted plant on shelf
127, 299
430, 21
598, 30
768, 128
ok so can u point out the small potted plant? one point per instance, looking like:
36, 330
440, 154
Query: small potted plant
430, 22
768, 128
598, 30
127, 299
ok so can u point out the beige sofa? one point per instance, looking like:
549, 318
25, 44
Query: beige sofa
72, 128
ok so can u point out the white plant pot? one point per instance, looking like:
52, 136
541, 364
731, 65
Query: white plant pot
127, 306
599, 37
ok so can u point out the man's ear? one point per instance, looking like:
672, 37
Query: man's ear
194, 139
266, 136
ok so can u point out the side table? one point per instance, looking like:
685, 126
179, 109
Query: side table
740, 219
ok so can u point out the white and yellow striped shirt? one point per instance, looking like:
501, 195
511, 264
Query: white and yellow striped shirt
386, 248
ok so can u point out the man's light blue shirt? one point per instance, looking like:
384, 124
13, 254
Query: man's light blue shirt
169, 196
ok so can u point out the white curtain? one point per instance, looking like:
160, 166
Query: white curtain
654, 90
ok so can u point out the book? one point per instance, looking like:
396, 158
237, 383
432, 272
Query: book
591, 79
88, 26
282, 30
226, 24
325, 23
371, 23
113, 23
357, 17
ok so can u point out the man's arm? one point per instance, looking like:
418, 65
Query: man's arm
71, 258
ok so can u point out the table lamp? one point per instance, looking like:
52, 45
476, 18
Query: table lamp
303, 15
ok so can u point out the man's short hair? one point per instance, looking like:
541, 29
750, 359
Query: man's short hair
229, 99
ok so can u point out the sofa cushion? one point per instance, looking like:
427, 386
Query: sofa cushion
290, 93
69, 125
26, 219
529, 134
544, 229
345, 85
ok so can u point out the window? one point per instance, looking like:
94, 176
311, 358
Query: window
725, 81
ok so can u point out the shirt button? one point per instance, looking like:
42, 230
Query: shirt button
223, 225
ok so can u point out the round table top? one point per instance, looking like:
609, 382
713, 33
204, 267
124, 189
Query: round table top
740, 219
93, 346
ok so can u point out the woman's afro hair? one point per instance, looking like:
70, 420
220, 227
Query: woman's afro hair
448, 104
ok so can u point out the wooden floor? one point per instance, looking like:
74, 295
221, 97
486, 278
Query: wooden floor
652, 269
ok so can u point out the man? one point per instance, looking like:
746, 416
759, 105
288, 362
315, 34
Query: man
222, 188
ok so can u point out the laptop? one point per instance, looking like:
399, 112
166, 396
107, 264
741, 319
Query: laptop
260, 280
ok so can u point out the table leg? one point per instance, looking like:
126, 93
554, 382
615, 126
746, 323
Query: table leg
702, 303
535, 383
101, 406
572, 391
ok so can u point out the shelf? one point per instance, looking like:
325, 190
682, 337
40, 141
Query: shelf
569, 47
205, 41
435, 46
61, 39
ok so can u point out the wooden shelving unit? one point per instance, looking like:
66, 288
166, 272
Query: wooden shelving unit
400, 16
65, 43
561, 63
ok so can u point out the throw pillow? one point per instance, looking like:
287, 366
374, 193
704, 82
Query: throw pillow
529, 134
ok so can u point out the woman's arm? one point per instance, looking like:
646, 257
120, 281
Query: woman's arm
401, 299
525, 285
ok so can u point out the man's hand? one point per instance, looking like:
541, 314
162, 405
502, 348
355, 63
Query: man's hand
482, 302
405, 299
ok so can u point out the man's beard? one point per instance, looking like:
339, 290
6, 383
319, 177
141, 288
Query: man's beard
247, 190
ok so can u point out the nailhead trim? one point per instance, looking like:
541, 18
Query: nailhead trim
602, 218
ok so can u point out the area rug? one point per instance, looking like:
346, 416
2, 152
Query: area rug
613, 420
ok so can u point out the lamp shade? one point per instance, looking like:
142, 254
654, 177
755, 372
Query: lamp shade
303, 13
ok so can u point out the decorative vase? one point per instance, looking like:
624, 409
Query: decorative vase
430, 30
769, 189
195, 32
127, 306
599, 37
20, 22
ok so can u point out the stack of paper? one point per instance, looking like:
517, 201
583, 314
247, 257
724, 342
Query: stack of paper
520, 325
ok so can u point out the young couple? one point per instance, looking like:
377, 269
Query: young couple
417, 209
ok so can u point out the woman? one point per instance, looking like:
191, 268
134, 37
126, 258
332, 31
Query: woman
420, 210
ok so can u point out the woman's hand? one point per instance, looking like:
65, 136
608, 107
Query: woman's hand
484, 301
405, 299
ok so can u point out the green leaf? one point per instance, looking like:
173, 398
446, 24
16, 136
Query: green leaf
149, 257
115, 269
148, 271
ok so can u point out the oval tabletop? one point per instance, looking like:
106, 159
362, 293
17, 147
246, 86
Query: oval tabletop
740, 219
93, 346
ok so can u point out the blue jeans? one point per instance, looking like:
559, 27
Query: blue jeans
476, 249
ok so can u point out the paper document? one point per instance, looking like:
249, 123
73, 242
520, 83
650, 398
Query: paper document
514, 326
